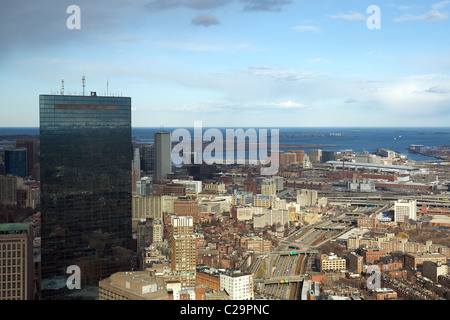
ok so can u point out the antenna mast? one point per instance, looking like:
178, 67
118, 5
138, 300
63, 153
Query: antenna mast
83, 80
62, 86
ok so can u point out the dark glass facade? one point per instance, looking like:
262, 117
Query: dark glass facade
16, 162
86, 154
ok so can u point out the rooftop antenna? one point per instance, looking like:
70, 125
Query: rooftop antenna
83, 80
62, 86
107, 86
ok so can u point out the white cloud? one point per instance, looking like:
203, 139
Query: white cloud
214, 106
420, 95
350, 16
318, 60
307, 28
282, 75
431, 16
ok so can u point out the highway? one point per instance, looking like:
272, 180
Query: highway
282, 265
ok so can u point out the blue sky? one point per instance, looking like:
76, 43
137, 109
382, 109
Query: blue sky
228, 63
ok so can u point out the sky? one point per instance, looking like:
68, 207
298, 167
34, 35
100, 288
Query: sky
232, 63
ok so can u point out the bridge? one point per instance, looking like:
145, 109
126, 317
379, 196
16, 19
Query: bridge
297, 251
282, 280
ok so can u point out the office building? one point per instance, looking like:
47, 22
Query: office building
405, 210
307, 198
432, 270
144, 187
415, 260
372, 255
135, 169
238, 285
16, 162
136, 285
315, 155
8, 189
163, 158
183, 257
16, 262
148, 158
86, 155
355, 262
32, 153
331, 262
147, 207
269, 187
185, 206
328, 156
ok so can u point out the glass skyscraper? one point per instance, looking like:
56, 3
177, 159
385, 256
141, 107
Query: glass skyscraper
16, 162
86, 154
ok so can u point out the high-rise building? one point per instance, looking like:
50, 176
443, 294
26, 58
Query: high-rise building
136, 169
148, 158
163, 158
86, 154
315, 155
183, 262
307, 198
16, 263
328, 155
405, 210
32, 153
16, 162
238, 285
269, 187
8, 189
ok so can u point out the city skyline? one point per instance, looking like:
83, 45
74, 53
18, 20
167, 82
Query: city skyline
233, 62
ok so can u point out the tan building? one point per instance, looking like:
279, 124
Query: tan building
16, 263
151, 259
135, 285
432, 270
215, 188
186, 207
356, 262
256, 244
331, 262
404, 210
262, 201
414, 260
183, 257
146, 207
268, 187
307, 198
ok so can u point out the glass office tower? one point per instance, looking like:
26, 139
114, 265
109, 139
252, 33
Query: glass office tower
16, 162
86, 154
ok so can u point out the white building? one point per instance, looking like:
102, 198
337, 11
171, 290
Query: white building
191, 185
269, 187
307, 198
237, 285
405, 210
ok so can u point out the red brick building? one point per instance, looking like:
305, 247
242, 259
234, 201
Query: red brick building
371, 255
